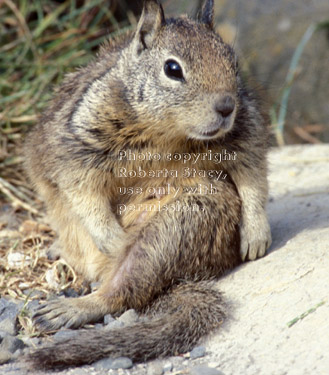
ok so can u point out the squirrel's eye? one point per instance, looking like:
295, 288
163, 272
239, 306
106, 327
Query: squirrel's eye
173, 70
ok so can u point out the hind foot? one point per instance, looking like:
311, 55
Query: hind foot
69, 313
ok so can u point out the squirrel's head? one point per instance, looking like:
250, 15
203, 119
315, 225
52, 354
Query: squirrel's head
182, 74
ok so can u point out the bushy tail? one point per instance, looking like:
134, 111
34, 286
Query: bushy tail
178, 320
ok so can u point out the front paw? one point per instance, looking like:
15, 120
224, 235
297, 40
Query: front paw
54, 251
68, 313
255, 237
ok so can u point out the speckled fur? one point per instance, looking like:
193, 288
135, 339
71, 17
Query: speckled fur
124, 101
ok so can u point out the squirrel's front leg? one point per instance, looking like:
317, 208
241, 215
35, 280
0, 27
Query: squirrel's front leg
255, 231
94, 211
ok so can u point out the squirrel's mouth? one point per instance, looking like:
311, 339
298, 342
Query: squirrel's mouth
212, 130
210, 133
218, 128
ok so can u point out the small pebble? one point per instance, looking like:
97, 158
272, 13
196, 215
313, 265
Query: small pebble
177, 359
129, 317
79, 371
113, 364
122, 362
8, 315
103, 364
114, 324
204, 370
5, 356
11, 344
18, 260
198, 352
168, 366
18, 353
108, 319
9, 325
214, 364
155, 368
51, 278
3, 334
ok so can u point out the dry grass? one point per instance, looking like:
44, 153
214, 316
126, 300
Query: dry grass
26, 273
25, 265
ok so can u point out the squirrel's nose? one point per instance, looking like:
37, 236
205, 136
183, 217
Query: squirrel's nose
225, 106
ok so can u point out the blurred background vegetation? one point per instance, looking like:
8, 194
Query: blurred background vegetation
41, 40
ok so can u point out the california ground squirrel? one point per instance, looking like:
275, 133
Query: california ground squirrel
152, 163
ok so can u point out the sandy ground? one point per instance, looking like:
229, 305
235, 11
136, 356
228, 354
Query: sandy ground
292, 279
278, 306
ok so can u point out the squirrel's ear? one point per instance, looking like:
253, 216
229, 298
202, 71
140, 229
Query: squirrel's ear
151, 20
207, 13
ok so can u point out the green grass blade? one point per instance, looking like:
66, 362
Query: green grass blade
290, 79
